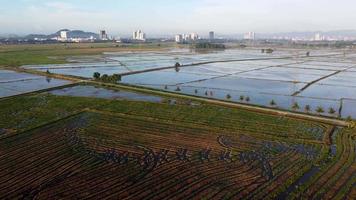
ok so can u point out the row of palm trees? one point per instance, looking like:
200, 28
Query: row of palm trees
294, 107
272, 103
307, 108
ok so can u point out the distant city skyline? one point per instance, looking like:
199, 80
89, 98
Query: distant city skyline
169, 17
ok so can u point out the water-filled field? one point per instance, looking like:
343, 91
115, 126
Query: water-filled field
99, 92
14, 83
285, 79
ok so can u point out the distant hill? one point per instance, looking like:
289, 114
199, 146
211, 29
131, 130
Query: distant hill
70, 34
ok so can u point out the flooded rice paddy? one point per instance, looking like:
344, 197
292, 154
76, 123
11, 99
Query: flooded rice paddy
282, 79
99, 92
15, 83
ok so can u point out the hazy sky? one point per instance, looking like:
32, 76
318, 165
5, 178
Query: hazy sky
121, 17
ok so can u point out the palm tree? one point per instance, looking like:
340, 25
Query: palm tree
332, 111
295, 106
320, 109
307, 108
272, 103
242, 98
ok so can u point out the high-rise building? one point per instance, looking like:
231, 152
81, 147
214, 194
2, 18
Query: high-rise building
64, 35
179, 38
211, 35
318, 37
194, 36
186, 37
103, 35
139, 35
250, 36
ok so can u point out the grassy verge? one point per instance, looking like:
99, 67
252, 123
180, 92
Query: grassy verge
17, 55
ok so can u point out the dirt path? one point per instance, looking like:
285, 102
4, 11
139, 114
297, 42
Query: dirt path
318, 80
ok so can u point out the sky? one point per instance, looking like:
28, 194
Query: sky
160, 17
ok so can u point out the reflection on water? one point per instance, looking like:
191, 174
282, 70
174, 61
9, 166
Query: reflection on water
99, 92
13, 83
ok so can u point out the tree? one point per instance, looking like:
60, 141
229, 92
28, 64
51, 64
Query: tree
248, 99
105, 77
166, 87
115, 78
206, 93
332, 111
96, 75
272, 103
308, 54
307, 108
48, 72
295, 106
178, 89
196, 91
242, 98
177, 64
320, 109
228, 96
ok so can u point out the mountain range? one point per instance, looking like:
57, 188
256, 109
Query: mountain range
70, 34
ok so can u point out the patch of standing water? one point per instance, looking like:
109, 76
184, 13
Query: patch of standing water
99, 92
333, 147
299, 182
14, 83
